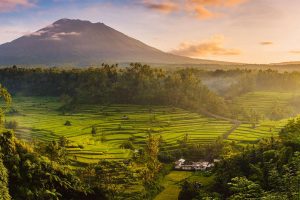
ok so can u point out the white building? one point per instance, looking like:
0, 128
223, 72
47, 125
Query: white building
203, 165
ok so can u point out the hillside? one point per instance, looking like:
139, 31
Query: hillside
82, 43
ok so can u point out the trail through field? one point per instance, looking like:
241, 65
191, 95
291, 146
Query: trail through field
234, 127
236, 123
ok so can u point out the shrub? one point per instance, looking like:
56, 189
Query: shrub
11, 125
127, 145
94, 130
68, 123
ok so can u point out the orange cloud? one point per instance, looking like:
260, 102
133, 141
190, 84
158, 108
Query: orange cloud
213, 46
223, 3
201, 9
200, 12
9, 5
265, 43
161, 6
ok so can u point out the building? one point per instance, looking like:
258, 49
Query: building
181, 164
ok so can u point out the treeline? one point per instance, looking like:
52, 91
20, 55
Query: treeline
268, 170
136, 84
231, 83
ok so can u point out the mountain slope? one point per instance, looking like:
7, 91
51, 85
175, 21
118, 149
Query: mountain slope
82, 42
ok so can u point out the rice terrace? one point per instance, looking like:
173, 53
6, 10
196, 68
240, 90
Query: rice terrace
47, 124
39, 119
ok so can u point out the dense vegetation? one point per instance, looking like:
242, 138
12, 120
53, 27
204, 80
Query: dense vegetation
154, 130
137, 84
268, 170
140, 84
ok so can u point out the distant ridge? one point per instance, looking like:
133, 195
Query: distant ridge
288, 63
81, 43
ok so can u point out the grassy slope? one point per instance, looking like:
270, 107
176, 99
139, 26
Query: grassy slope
263, 103
172, 183
39, 119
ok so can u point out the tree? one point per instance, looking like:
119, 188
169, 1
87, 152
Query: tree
152, 165
4, 191
189, 190
4, 94
56, 152
127, 145
11, 125
63, 141
242, 189
94, 130
68, 123
114, 178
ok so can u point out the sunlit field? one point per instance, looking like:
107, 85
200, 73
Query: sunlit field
39, 119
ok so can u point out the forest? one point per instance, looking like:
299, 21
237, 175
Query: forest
247, 119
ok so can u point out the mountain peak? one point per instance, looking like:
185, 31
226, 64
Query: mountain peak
82, 43
73, 21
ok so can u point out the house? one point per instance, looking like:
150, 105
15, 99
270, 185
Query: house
125, 117
181, 164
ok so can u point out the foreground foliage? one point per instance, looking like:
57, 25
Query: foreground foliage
269, 170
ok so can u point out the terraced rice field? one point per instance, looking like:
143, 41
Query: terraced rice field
264, 101
246, 134
39, 119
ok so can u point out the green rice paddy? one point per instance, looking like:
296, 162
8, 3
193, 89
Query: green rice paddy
39, 119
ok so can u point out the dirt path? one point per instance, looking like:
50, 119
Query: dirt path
236, 123
234, 127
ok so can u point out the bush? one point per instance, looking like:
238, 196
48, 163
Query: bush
13, 111
68, 123
11, 125
94, 130
127, 145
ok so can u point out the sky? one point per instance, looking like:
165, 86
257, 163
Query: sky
248, 31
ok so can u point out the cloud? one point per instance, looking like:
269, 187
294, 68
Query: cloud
38, 33
201, 9
162, 6
295, 52
213, 46
201, 12
10, 5
205, 9
217, 3
266, 43
53, 36
59, 36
